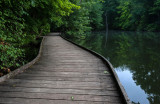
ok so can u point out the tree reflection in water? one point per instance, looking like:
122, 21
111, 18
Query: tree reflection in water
138, 51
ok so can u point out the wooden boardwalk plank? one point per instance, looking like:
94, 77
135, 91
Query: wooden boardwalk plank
46, 101
64, 70
60, 97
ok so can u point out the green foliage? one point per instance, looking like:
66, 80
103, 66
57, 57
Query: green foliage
21, 22
78, 22
125, 16
110, 11
95, 14
133, 14
87, 18
155, 11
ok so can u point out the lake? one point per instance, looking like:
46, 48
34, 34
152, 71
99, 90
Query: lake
135, 57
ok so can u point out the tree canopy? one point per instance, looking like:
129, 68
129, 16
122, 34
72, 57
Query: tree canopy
143, 15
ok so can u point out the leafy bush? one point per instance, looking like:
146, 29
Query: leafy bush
22, 21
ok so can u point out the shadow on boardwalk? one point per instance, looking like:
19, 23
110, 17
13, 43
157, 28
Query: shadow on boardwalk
65, 74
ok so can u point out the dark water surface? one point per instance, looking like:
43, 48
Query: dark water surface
136, 59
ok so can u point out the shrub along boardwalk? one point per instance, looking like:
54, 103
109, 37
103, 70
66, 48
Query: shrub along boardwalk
65, 74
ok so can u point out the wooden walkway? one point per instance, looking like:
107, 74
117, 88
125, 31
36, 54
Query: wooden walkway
65, 74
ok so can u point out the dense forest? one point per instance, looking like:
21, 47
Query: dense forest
141, 15
23, 22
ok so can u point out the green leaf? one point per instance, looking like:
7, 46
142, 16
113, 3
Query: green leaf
105, 72
72, 98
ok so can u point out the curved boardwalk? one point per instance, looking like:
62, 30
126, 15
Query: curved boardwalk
65, 74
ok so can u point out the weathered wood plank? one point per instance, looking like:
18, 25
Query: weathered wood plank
93, 79
60, 97
59, 91
109, 87
66, 70
44, 101
23, 81
67, 73
85, 69
42, 81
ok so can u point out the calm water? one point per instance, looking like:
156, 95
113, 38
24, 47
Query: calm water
136, 59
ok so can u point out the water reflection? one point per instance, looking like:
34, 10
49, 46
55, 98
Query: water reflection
135, 55
134, 91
